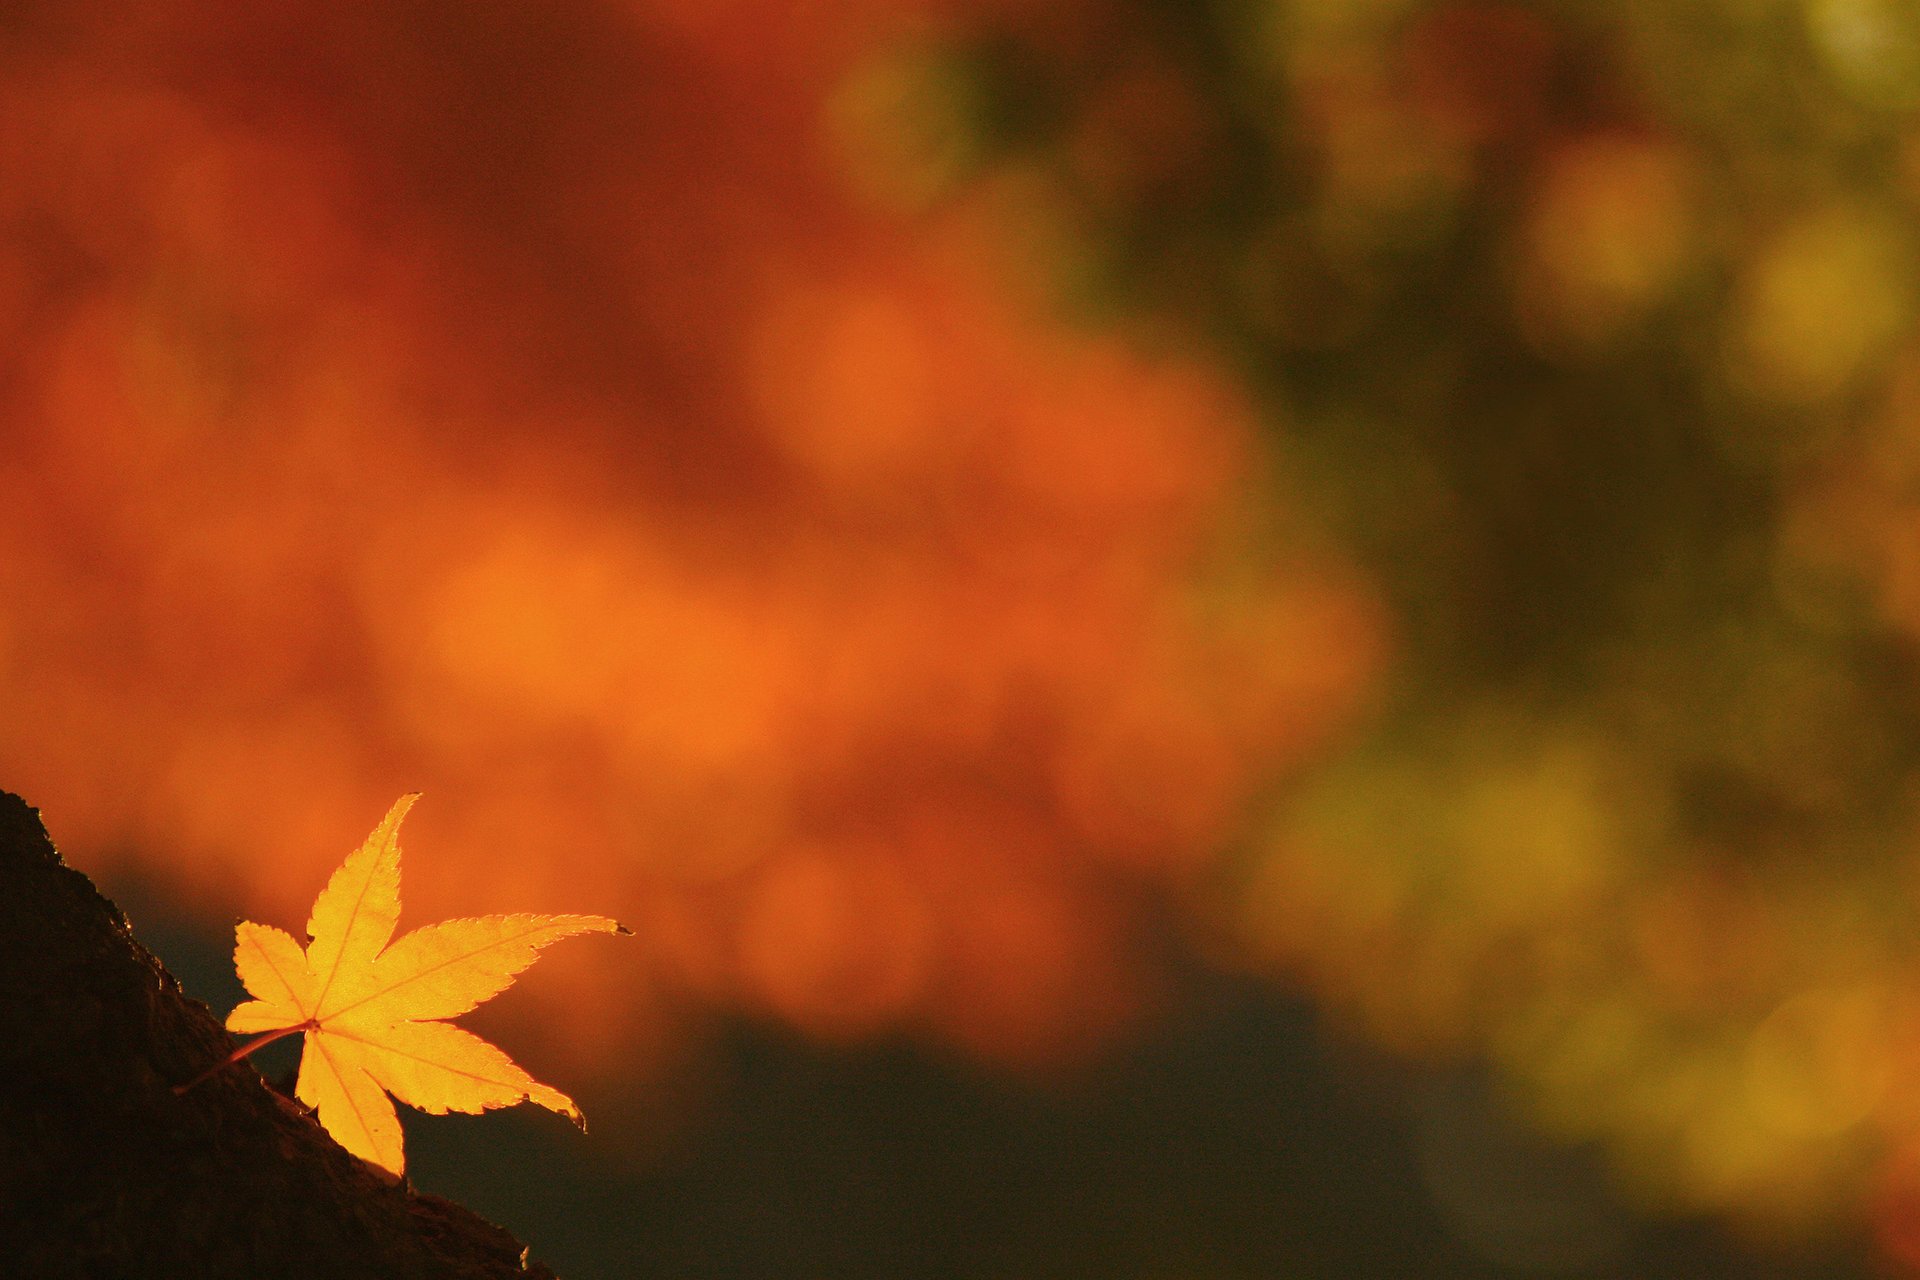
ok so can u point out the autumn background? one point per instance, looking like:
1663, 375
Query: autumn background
1253, 638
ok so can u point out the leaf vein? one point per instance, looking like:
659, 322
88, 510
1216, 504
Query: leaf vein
402, 1053
346, 935
340, 1079
400, 983
293, 999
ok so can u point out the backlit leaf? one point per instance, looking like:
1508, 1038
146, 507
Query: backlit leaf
368, 1009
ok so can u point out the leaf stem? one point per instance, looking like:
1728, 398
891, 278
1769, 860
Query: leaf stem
260, 1041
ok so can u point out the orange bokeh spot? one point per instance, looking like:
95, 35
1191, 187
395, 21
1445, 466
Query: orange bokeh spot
839, 945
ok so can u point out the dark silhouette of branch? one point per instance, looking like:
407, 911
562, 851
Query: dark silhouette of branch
106, 1172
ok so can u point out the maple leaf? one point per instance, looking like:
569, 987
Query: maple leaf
371, 1011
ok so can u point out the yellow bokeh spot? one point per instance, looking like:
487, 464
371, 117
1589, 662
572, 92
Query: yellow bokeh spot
1818, 1064
1609, 232
1821, 304
1871, 48
1538, 835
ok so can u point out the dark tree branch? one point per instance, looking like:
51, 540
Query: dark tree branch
106, 1172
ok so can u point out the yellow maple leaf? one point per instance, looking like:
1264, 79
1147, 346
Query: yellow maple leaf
371, 1011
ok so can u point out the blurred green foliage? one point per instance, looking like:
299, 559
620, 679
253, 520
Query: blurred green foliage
1588, 328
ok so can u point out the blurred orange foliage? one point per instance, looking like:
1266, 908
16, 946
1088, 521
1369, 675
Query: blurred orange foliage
519, 405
